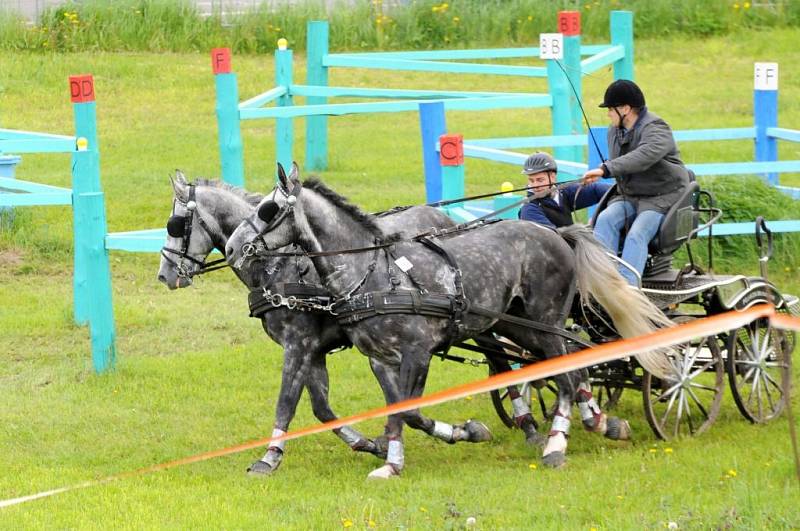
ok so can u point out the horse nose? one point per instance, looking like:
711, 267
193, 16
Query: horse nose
228, 251
162, 278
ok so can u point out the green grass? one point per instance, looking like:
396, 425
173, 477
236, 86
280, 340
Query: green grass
195, 374
175, 25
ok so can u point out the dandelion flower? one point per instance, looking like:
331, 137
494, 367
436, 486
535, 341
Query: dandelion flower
346, 522
532, 466
667, 450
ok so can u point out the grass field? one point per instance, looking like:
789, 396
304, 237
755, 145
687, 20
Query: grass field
195, 374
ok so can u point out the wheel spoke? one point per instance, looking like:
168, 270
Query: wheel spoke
703, 387
697, 401
753, 387
688, 413
765, 385
702, 369
771, 380
679, 413
669, 407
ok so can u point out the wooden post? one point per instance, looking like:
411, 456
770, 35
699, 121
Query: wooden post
92, 280
432, 126
502, 201
765, 114
8, 166
566, 115
316, 74
284, 128
621, 23
227, 107
85, 179
90, 214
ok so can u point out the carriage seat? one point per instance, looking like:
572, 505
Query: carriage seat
679, 222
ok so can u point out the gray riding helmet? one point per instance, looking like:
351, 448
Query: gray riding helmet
539, 161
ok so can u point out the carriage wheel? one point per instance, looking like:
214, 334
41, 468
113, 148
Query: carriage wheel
608, 394
545, 392
758, 365
687, 403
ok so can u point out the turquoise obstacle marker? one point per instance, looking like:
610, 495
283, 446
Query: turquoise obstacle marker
90, 214
85, 179
432, 126
227, 108
622, 35
316, 75
284, 129
8, 167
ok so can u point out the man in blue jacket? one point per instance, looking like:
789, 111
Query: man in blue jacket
550, 205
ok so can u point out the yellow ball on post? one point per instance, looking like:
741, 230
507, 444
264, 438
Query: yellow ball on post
283, 44
506, 187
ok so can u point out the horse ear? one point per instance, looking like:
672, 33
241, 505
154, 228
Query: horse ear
294, 174
179, 185
282, 177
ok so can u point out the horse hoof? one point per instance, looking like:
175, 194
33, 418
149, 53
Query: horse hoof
476, 431
384, 472
618, 429
554, 459
261, 468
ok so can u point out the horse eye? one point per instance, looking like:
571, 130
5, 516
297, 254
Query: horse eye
267, 211
175, 226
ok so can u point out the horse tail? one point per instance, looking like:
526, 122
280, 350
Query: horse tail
632, 313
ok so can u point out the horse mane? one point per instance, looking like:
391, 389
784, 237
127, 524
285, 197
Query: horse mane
250, 197
368, 221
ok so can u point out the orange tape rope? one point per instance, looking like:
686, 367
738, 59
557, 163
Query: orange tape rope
545, 369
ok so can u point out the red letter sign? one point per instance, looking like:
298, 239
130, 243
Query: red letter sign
81, 88
221, 60
451, 150
569, 22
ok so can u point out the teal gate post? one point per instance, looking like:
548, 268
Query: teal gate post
284, 132
85, 179
8, 165
92, 283
566, 115
316, 75
227, 106
622, 34
432, 126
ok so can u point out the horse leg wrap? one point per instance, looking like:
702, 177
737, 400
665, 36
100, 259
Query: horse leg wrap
444, 431
355, 440
394, 462
593, 419
272, 459
555, 451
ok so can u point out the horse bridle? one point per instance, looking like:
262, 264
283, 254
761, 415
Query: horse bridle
181, 227
272, 215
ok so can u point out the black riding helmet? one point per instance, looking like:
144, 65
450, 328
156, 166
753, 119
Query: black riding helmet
623, 92
539, 162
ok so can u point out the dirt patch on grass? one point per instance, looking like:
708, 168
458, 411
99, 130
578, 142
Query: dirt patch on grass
11, 258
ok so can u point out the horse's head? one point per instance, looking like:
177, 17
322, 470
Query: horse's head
189, 241
272, 225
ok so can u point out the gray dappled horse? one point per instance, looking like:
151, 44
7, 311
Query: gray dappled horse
515, 267
204, 214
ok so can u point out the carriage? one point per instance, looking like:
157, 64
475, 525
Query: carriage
755, 359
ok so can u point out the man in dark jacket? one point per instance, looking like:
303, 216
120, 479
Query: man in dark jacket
550, 205
650, 175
